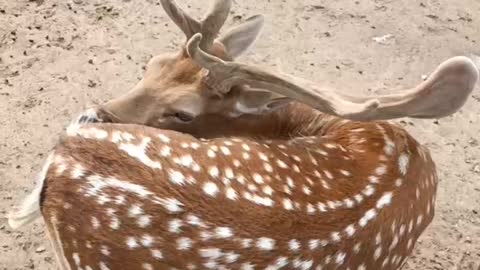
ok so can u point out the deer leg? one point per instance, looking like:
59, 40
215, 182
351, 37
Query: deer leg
55, 241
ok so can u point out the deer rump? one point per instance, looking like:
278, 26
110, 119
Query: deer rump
165, 199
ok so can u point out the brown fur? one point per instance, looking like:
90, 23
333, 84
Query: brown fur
245, 218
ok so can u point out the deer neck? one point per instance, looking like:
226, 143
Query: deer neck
295, 120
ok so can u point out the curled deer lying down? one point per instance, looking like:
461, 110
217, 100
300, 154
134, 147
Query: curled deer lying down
223, 165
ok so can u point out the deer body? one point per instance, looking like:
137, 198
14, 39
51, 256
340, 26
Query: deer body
355, 197
286, 178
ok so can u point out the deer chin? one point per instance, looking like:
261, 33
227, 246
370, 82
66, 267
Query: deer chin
105, 116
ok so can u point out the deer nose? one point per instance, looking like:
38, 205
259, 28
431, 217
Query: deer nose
106, 116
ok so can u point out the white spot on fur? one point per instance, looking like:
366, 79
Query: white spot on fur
394, 243
186, 161
115, 223
78, 171
223, 232
76, 259
258, 178
132, 243
265, 243
294, 245
282, 164
213, 171
268, 167
246, 243
358, 198
103, 266
211, 153
225, 150
139, 152
164, 138
385, 200
306, 190
381, 170
184, 243
165, 151
301, 264
267, 190
194, 221
212, 253
373, 179
262, 156
287, 204
345, 172
349, 203
398, 182
279, 264
340, 258
147, 266
369, 215
377, 253
176, 177
313, 244
95, 223
310, 209
328, 174
144, 221
105, 250
369, 191
157, 254
174, 225
419, 219
172, 205
231, 194
350, 230
194, 145
335, 236
231, 257
210, 188
322, 207
403, 163
135, 210
247, 266
356, 248
147, 240
290, 182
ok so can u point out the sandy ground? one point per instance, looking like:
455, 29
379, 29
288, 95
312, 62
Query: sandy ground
59, 56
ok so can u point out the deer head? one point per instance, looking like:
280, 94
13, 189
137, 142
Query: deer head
200, 88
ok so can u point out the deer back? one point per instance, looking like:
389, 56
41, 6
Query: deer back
357, 197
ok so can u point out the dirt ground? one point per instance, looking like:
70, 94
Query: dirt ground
57, 57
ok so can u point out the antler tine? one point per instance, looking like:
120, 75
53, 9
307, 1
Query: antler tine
229, 74
214, 21
184, 21
209, 27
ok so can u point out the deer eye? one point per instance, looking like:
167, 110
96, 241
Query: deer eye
183, 117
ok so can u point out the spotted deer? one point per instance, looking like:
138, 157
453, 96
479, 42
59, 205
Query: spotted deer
212, 164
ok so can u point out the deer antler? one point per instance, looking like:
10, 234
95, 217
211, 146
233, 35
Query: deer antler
443, 94
209, 26
232, 73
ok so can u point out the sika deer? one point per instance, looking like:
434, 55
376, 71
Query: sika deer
274, 184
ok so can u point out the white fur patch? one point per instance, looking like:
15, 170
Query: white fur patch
403, 163
139, 152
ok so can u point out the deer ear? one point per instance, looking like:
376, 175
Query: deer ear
441, 95
238, 39
257, 101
